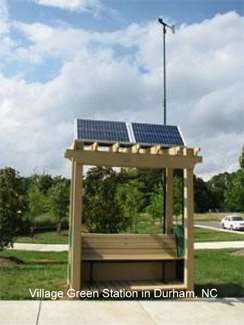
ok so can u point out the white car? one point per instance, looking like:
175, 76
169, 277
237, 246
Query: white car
233, 223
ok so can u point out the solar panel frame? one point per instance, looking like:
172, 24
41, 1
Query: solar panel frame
153, 134
108, 132
105, 131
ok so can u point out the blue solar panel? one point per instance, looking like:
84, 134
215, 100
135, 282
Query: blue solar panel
157, 134
102, 131
128, 133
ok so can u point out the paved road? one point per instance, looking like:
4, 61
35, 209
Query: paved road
215, 226
167, 312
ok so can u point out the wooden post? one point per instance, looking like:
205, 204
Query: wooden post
76, 227
169, 200
188, 229
70, 221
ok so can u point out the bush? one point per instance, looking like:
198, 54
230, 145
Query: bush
12, 205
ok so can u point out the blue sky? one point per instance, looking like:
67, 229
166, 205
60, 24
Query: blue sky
64, 59
122, 12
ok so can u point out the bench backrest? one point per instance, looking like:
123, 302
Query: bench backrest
128, 247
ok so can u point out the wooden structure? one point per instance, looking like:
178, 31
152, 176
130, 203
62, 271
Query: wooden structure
131, 261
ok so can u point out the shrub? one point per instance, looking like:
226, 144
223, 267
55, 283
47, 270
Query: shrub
12, 204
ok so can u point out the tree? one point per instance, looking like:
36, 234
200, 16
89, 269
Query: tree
43, 181
156, 207
241, 159
58, 200
217, 186
36, 204
102, 213
150, 179
12, 204
129, 198
178, 195
234, 194
203, 198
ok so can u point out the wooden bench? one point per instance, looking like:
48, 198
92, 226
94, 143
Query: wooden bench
127, 247
111, 247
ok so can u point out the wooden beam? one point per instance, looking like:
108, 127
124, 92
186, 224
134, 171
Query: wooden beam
188, 229
155, 150
196, 151
135, 148
76, 227
188, 151
78, 144
115, 147
70, 223
94, 146
169, 200
176, 151
144, 150
120, 159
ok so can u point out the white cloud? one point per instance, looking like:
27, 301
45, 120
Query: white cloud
3, 17
204, 65
39, 117
72, 5
49, 41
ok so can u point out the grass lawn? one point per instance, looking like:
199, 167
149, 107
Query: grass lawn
213, 216
38, 270
46, 270
220, 270
45, 238
208, 235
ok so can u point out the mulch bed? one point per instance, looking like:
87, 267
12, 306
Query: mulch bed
10, 260
240, 252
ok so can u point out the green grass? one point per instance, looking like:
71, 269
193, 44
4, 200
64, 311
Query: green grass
220, 270
143, 227
208, 235
45, 238
46, 270
213, 216
38, 270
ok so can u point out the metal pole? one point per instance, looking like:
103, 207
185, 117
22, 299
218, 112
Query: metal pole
164, 106
164, 55
160, 20
164, 203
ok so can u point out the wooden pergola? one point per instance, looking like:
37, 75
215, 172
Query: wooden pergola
126, 249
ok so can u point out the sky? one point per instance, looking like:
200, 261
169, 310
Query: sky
67, 59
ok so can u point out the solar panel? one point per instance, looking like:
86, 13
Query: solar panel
157, 134
102, 130
128, 133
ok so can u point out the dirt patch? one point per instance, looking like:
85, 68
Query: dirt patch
10, 260
240, 252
